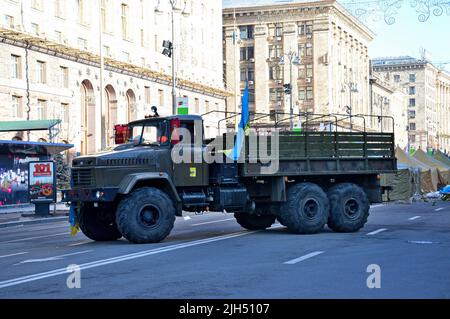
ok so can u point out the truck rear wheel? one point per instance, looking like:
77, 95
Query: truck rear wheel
306, 209
98, 223
146, 216
254, 222
349, 208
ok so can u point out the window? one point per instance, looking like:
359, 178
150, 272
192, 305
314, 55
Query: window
161, 97
301, 50
309, 27
412, 78
58, 36
41, 110
64, 76
124, 21
35, 28
206, 106
65, 113
276, 73
309, 93
397, 78
301, 28
302, 94
276, 95
41, 72
247, 53
309, 49
279, 30
82, 43
246, 32
81, 6
412, 90
309, 71
126, 56
247, 74
36, 4
275, 51
107, 50
9, 21
16, 67
60, 10
412, 114
251, 96
412, 126
301, 71
105, 16
16, 103
142, 38
412, 102
412, 138
147, 94
197, 105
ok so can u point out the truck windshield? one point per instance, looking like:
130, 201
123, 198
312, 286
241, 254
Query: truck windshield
151, 133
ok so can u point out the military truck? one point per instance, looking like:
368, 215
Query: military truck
327, 174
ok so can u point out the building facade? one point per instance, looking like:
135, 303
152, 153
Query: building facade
389, 109
428, 93
332, 47
51, 54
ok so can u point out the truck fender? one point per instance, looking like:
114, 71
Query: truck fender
130, 181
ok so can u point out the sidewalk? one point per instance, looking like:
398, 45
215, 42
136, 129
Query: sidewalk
24, 215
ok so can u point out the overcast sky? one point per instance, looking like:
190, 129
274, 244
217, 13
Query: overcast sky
405, 37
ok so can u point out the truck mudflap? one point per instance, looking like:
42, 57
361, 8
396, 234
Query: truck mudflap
89, 195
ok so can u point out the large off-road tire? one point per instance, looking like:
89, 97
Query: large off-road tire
98, 223
254, 222
306, 209
147, 215
349, 208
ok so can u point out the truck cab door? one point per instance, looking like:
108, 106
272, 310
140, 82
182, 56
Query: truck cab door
193, 173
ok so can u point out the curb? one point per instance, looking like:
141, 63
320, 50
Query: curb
32, 222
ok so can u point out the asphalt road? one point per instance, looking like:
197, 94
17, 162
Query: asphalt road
211, 256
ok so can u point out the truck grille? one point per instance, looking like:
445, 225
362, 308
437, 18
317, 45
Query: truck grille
82, 177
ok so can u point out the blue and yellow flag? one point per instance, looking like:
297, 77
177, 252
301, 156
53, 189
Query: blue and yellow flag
242, 128
74, 225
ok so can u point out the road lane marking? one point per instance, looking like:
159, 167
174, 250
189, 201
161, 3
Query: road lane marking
214, 221
376, 206
31, 238
414, 218
187, 218
377, 232
113, 260
80, 243
54, 258
438, 209
302, 258
11, 255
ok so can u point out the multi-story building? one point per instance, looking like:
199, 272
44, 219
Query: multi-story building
51, 54
428, 93
332, 47
389, 109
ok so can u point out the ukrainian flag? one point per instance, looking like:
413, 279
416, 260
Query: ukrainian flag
242, 128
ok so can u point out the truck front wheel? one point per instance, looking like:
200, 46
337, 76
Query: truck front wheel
146, 216
306, 209
98, 223
254, 222
349, 208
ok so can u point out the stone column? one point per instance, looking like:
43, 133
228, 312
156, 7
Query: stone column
261, 69
232, 56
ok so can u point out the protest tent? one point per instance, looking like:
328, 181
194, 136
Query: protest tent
442, 169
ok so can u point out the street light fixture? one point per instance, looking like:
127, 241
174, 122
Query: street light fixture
352, 88
293, 60
170, 46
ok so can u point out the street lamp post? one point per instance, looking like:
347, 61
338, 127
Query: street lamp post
293, 60
171, 46
352, 88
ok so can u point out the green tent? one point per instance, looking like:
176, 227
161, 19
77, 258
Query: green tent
441, 157
443, 170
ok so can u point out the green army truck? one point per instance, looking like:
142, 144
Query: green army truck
326, 176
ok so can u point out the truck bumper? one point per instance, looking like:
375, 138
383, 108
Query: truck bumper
89, 195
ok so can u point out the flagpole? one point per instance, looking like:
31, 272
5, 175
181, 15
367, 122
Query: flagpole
236, 74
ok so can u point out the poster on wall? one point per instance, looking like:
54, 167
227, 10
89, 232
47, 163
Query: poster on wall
42, 182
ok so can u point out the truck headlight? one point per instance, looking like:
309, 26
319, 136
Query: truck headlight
98, 194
